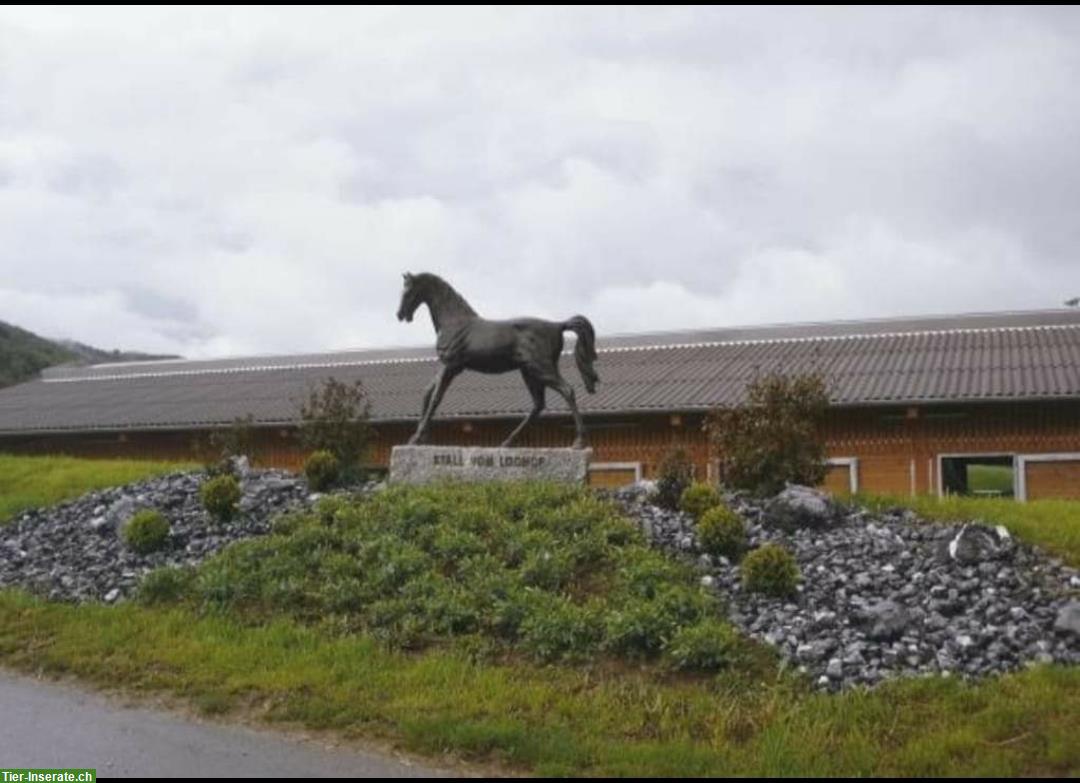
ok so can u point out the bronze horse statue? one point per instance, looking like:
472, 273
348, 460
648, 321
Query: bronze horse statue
465, 341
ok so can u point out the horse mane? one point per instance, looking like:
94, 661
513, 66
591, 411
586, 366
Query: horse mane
443, 301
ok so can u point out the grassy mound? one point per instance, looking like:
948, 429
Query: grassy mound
551, 571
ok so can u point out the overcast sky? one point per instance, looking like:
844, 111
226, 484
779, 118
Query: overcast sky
212, 182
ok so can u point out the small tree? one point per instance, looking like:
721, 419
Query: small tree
335, 418
236, 440
216, 448
675, 474
774, 437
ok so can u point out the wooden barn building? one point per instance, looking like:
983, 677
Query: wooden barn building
916, 401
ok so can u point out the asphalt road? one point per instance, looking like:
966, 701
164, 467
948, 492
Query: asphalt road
47, 725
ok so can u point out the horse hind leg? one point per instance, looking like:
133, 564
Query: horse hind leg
557, 383
536, 389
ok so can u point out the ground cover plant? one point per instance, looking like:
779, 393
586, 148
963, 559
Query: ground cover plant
550, 571
33, 482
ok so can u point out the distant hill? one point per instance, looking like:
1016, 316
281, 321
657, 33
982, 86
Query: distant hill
87, 354
24, 354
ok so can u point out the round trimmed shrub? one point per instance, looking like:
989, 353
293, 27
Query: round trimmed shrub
220, 497
707, 646
147, 531
720, 531
772, 570
699, 498
322, 470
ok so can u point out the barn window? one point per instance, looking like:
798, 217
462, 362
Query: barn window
981, 475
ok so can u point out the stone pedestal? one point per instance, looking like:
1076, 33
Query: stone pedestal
421, 464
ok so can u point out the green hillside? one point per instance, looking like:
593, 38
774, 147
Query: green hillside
24, 354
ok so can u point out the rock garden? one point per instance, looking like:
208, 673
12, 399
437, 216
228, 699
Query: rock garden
880, 595
78, 550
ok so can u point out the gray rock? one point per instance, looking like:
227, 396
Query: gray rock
797, 507
978, 543
887, 620
241, 466
1068, 619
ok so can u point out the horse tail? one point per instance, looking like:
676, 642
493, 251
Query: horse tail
585, 351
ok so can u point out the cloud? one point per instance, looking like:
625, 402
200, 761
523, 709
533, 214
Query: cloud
228, 181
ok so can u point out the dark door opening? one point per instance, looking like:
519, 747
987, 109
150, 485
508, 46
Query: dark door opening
979, 476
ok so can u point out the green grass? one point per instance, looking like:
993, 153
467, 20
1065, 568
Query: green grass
1052, 525
990, 478
560, 719
31, 482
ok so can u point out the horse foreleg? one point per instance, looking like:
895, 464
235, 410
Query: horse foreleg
536, 389
421, 427
442, 381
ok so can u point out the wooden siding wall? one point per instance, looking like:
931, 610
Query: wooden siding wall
897, 448
1054, 479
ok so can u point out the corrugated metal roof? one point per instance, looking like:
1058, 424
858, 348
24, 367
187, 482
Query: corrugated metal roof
1004, 356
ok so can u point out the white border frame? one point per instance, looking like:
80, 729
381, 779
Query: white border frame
1021, 467
852, 464
634, 466
938, 459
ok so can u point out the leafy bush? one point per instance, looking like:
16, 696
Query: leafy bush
707, 646
322, 470
147, 531
699, 498
720, 531
557, 628
220, 496
674, 475
165, 585
775, 436
335, 418
551, 570
772, 570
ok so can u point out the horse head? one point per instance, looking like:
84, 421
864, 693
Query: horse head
411, 297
